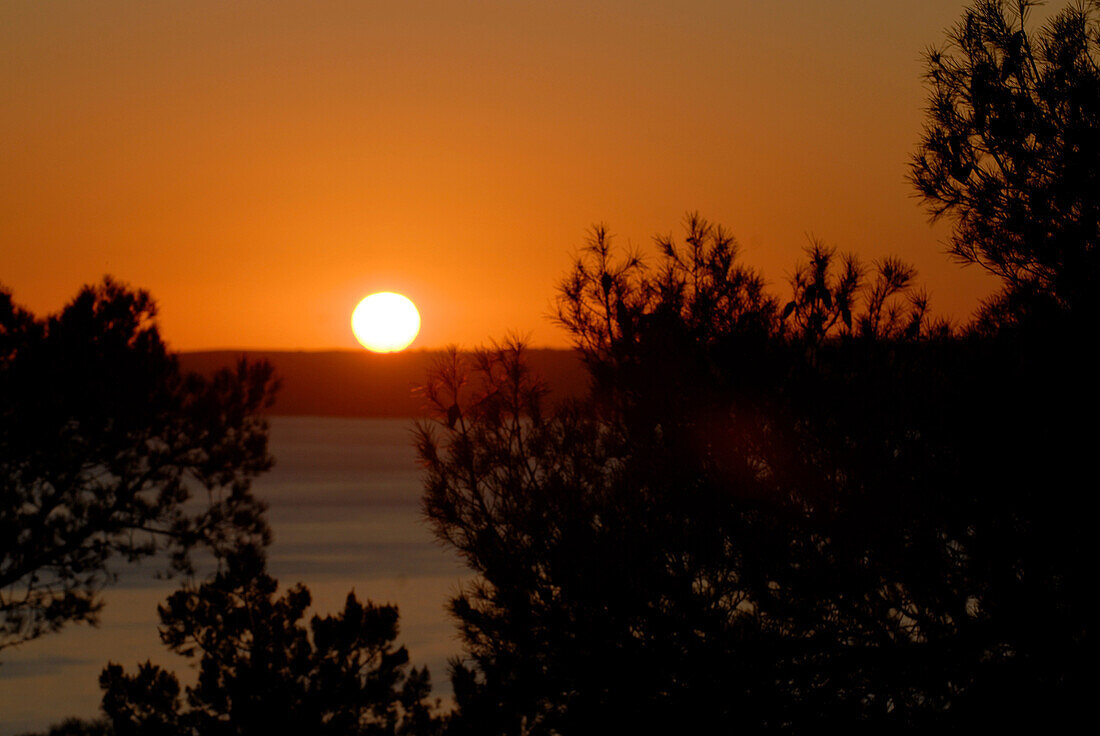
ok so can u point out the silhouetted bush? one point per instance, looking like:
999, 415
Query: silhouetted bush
263, 671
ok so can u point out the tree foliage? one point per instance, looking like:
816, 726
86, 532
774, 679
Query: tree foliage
1010, 151
262, 670
737, 525
836, 512
109, 454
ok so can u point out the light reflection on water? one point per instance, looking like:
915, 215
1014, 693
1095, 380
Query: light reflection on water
345, 509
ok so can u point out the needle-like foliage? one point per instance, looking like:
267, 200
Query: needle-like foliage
1010, 152
711, 534
108, 454
262, 670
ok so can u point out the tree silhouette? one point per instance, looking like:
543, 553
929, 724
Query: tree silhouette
835, 512
103, 446
1010, 150
741, 524
1011, 153
262, 671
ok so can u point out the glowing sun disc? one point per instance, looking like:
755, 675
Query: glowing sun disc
385, 322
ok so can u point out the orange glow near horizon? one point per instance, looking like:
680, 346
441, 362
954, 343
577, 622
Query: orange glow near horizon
259, 166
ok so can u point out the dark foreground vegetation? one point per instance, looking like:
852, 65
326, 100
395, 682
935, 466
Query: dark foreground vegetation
824, 511
766, 515
109, 453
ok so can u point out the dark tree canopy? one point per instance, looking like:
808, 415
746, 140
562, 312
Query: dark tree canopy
834, 513
727, 529
766, 518
109, 454
1011, 153
263, 671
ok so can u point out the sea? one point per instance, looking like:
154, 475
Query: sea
344, 506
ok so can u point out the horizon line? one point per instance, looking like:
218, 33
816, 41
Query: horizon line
461, 349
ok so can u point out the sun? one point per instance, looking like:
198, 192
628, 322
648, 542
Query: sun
385, 322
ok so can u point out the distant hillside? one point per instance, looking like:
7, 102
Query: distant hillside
356, 383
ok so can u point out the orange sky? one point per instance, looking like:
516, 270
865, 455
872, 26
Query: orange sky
261, 166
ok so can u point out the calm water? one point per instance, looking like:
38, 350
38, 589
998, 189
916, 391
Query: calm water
344, 505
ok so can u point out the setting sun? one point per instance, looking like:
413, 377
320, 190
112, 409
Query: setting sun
385, 322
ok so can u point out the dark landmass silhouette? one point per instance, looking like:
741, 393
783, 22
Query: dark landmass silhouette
357, 383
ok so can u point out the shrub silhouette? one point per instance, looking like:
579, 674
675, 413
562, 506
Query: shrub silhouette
262, 671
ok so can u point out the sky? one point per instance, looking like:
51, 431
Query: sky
260, 167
